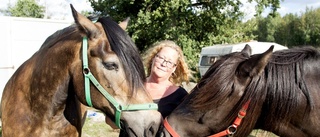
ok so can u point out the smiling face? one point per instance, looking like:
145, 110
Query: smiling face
164, 63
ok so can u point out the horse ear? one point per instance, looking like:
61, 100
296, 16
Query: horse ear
247, 50
124, 23
255, 64
85, 25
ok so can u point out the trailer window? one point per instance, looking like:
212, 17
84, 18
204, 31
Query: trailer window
208, 60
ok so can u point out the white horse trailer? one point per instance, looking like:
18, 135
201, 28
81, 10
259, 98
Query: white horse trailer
210, 54
20, 39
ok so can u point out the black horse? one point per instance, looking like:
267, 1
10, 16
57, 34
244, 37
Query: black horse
274, 91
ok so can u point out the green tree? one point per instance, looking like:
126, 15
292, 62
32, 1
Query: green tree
289, 32
296, 30
310, 21
25, 8
267, 27
192, 24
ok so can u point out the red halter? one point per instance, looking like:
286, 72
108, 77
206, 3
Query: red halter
229, 131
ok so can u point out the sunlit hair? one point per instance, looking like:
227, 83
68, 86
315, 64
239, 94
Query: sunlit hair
182, 72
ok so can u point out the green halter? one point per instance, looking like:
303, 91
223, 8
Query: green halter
89, 77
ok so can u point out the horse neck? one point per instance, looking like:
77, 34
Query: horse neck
41, 85
49, 81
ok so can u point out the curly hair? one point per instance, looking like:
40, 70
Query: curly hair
182, 72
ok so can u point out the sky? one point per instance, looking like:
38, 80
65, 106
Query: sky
60, 9
286, 7
57, 9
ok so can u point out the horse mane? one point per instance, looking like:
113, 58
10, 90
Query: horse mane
271, 91
59, 36
127, 52
286, 87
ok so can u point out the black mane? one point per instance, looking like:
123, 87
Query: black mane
127, 52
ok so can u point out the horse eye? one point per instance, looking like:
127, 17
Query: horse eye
110, 65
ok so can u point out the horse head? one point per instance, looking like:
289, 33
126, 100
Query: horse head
93, 63
215, 101
114, 59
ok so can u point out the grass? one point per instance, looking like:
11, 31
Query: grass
261, 133
94, 128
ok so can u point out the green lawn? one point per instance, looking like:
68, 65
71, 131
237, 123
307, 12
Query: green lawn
94, 128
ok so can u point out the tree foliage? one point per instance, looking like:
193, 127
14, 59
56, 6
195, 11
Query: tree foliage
292, 29
192, 24
25, 8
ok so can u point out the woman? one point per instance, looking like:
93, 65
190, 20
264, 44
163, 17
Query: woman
166, 70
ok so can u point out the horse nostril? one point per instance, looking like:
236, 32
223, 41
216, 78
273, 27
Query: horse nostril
152, 130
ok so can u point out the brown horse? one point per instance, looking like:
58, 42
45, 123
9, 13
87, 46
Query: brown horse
274, 91
44, 96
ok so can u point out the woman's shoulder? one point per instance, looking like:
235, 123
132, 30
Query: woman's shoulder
180, 91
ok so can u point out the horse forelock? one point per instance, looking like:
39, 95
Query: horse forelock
220, 74
127, 52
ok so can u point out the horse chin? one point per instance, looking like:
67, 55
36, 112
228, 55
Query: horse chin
111, 123
134, 131
135, 127
129, 132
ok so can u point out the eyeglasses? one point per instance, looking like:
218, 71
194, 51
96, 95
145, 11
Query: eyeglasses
162, 60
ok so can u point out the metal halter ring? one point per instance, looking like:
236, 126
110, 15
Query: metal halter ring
232, 129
